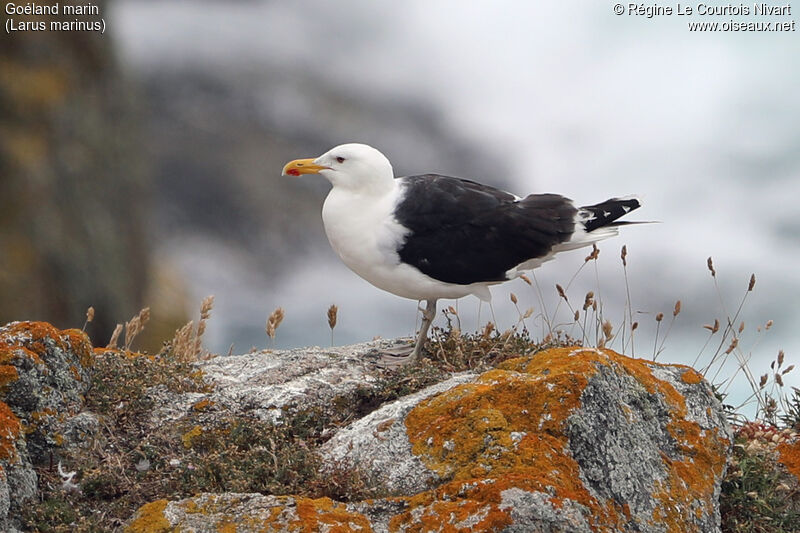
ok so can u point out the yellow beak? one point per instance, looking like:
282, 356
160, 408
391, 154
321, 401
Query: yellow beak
301, 166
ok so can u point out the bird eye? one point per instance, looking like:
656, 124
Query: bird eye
340, 159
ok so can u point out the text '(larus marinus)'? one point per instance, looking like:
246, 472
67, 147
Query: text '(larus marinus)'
429, 236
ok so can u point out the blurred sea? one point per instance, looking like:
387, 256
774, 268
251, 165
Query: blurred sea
536, 97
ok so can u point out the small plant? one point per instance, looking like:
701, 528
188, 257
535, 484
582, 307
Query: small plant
187, 344
273, 321
333, 312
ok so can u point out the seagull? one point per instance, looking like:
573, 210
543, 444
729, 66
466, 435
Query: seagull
430, 236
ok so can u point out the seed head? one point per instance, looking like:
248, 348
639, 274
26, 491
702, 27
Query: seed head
90, 314
715, 327
659, 317
525, 278
274, 321
677, 310
206, 307
112, 343
624, 254
608, 329
780, 358
561, 292
733, 345
577, 315
634, 326
779, 379
763, 381
768, 324
333, 312
514, 298
752, 282
741, 327
593, 255
787, 370
711, 267
587, 302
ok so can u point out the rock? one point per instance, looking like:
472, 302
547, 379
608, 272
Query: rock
246, 513
379, 444
570, 439
43, 376
269, 384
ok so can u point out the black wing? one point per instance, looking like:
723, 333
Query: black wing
464, 232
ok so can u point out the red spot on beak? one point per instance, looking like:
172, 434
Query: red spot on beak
293, 172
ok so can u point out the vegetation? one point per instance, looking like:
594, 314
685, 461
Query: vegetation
133, 461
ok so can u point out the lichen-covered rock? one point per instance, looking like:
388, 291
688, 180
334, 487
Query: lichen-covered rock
246, 513
379, 444
43, 376
613, 443
268, 384
570, 439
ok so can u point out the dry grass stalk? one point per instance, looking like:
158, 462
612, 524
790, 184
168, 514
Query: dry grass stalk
205, 313
89, 317
273, 322
112, 343
608, 330
561, 292
183, 343
333, 312
187, 342
593, 255
733, 345
135, 326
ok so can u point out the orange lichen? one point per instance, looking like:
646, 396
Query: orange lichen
202, 405
8, 373
81, 346
789, 456
150, 519
226, 526
10, 429
30, 339
692, 376
465, 436
313, 514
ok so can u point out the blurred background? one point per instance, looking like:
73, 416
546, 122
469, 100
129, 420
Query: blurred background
142, 167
